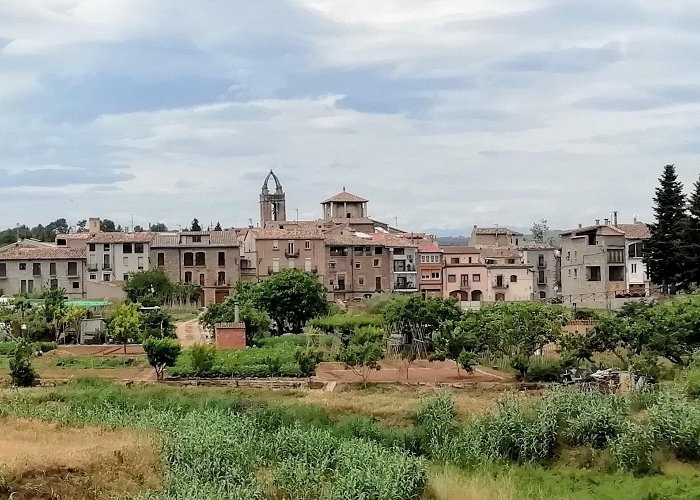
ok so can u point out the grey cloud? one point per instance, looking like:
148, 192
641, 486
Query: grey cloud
573, 60
57, 177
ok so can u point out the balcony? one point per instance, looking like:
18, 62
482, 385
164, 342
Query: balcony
405, 286
500, 284
465, 286
291, 255
248, 271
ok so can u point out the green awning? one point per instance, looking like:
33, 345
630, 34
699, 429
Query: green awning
88, 303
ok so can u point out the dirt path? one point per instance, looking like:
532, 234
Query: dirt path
190, 332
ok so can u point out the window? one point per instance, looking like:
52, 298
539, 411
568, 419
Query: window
435, 275
221, 278
307, 265
23, 286
511, 261
452, 278
513, 278
290, 248
292, 263
464, 280
470, 260
476, 277
53, 284
423, 259
188, 259
591, 239
454, 260
91, 246
358, 265
616, 256
634, 268
222, 259
140, 263
93, 276
499, 281
399, 251
106, 277
540, 260
188, 276
399, 266
106, 261
126, 248
376, 262
569, 273
307, 245
126, 261
378, 282
339, 252
378, 250
593, 273
575, 273
275, 245
361, 280
197, 238
275, 265
126, 277
331, 264
52, 268
201, 279
76, 285
22, 266
543, 295
635, 250
200, 259
72, 269
3, 270
358, 251
36, 269
161, 259
541, 278
138, 248
616, 273
568, 255
368, 251
30, 286
106, 247
425, 276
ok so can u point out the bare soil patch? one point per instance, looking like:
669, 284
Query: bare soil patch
190, 332
46, 461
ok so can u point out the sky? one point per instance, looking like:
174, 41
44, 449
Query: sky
444, 114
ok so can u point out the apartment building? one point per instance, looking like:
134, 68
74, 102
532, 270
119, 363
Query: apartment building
210, 259
31, 266
267, 251
509, 278
593, 265
495, 236
637, 275
545, 261
403, 259
465, 275
113, 256
356, 267
430, 264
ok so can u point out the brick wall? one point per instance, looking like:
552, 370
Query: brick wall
230, 336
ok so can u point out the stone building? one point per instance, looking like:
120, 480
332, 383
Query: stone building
273, 205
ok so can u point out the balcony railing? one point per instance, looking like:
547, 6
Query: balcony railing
502, 284
291, 255
247, 270
405, 286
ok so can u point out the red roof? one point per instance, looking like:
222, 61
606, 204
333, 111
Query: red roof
27, 251
638, 231
344, 197
119, 237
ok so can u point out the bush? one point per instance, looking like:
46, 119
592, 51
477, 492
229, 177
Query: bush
203, 357
675, 422
308, 360
22, 373
633, 449
544, 370
161, 353
7, 348
274, 365
435, 422
646, 365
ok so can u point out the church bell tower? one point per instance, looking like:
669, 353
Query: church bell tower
272, 205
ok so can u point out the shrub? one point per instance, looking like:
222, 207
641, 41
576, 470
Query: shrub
161, 353
646, 365
274, 365
690, 381
435, 421
675, 422
632, 449
22, 373
544, 370
308, 360
203, 357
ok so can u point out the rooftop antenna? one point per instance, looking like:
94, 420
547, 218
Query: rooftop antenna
132, 222
396, 222
297, 211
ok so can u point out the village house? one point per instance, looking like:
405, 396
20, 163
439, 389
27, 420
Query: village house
637, 275
465, 275
209, 259
509, 278
30, 266
495, 236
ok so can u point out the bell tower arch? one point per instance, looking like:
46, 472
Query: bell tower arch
272, 204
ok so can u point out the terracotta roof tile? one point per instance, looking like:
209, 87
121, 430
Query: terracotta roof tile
73, 236
496, 230
119, 237
344, 196
391, 240
638, 231
297, 233
349, 240
455, 249
24, 251
587, 229
228, 238
491, 252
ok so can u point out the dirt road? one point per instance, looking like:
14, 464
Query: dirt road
190, 332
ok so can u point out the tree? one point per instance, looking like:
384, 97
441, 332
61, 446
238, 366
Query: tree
159, 324
138, 229
22, 373
364, 351
308, 359
195, 225
218, 227
151, 287
664, 249
107, 226
125, 323
291, 298
691, 241
257, 322
540, 231
161, 353
158, 227
459, 342
81, 225
71, 317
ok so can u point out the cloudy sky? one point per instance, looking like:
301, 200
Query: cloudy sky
445, 113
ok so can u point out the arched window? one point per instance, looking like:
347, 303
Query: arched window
500, 297
188, 259
200, 259
513, 278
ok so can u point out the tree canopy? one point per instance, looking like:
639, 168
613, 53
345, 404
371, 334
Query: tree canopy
195, 225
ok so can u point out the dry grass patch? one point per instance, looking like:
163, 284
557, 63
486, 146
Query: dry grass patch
46, 461
451, 484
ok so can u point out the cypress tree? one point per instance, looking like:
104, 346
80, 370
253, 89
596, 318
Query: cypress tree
195, 225
664, 250
691, 241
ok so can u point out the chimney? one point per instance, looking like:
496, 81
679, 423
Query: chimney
597, 222
580, 226
615, 218
94, 225
635, 218
607, 222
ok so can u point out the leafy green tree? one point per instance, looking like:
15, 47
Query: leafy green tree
22, 373
138, 229
218, 227
540, 231
195, 225
125, 323
158, 227
69, 317
364, 351
291, 298
664, 249
257, 322
159, 324
459, 342
161, 353
150, 288
308, 359
107, 226
81, 225
691, 241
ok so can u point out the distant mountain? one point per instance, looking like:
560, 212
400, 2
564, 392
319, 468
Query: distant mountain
452, 240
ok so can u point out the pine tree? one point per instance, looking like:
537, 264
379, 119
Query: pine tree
195, 225
664, 250
691, 241
218, 227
